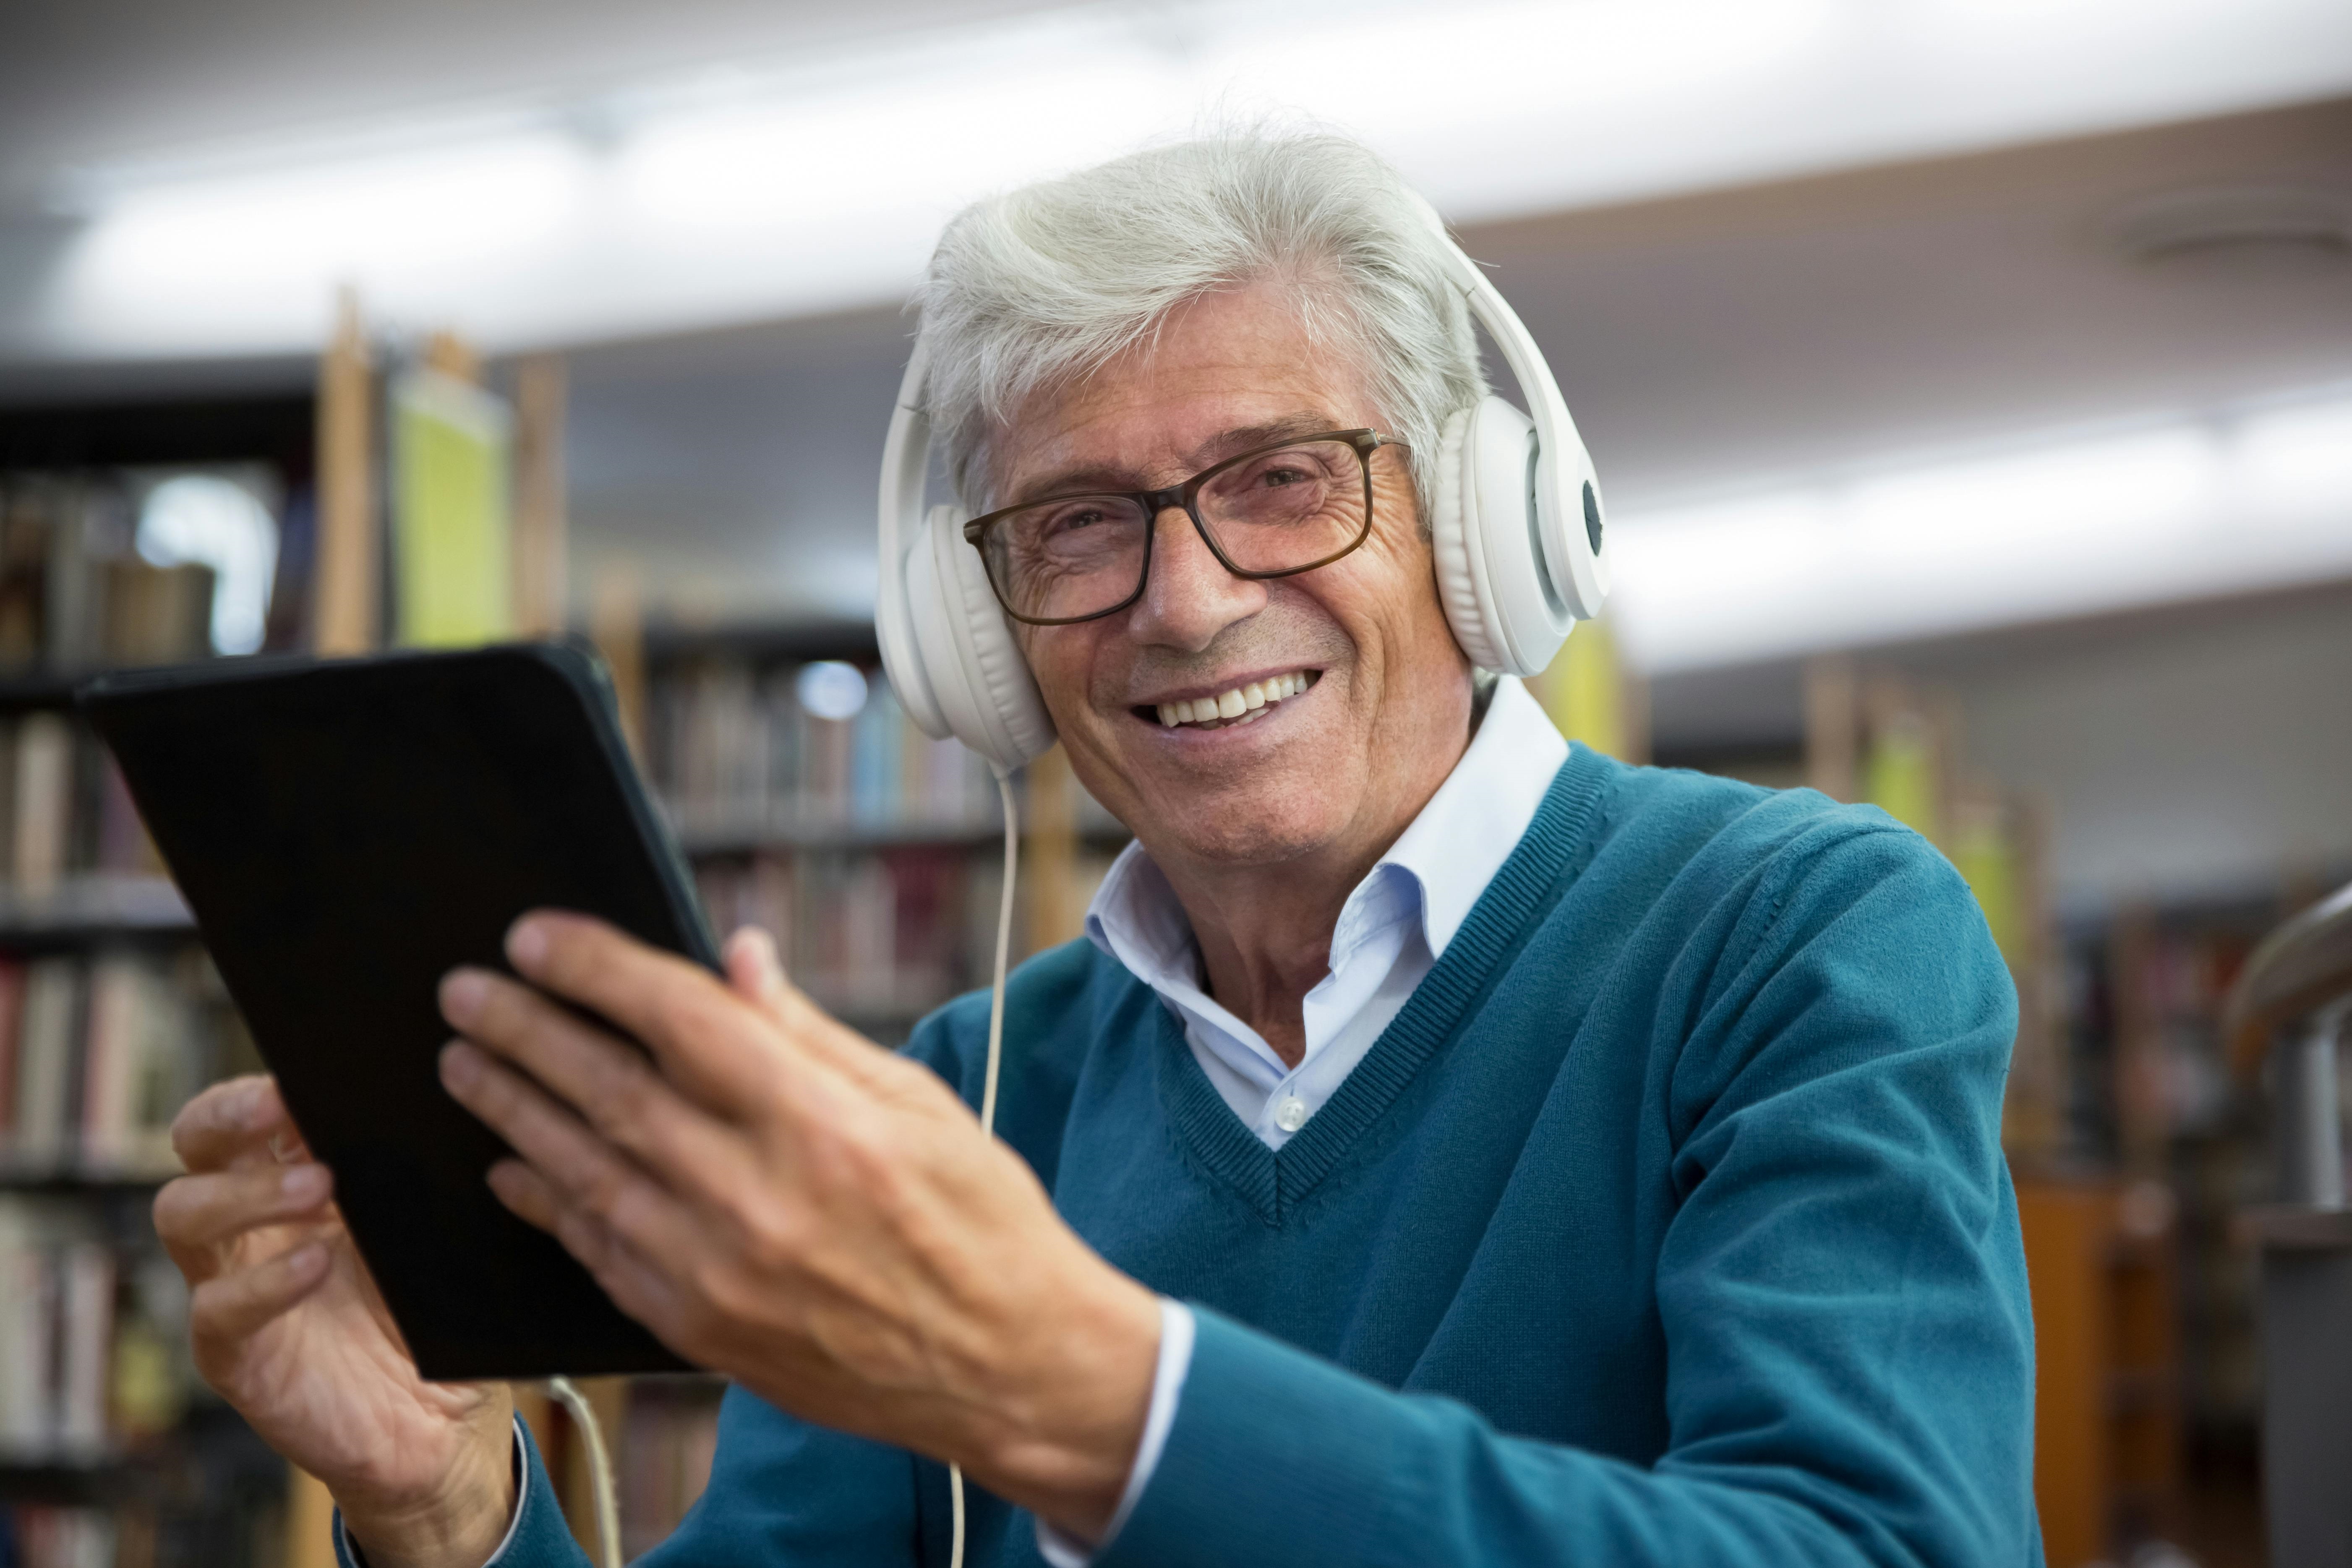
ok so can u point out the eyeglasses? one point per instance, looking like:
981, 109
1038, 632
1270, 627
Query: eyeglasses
1272, 512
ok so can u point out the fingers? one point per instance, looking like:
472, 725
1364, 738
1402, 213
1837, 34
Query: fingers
636, 1285
583, 1172
703, 1038
229, 1122
610, 1085
757, 975
524, 1191
691, 1022
197, 1215
233, 1307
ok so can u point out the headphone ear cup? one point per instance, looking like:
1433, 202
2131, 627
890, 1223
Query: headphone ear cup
1494, 575
1453, 543
980, 682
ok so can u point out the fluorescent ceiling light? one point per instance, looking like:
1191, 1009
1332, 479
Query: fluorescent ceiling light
2295, 462
2174, 512
755, 193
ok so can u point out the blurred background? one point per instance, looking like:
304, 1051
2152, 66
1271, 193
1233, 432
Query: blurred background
1972, 381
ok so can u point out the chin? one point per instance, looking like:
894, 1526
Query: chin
1260, 823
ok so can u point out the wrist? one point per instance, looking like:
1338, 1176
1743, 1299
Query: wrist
460, 1524
1066, 1431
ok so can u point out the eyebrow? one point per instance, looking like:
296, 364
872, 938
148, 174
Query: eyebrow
1104, 478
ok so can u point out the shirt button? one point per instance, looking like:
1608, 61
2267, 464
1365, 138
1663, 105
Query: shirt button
1291, 1114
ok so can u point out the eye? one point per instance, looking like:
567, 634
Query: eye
1070, 520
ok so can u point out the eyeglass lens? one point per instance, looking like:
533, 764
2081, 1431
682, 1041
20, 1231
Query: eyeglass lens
1273, 513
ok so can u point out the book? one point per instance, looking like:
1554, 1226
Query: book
452, 522
102, 1053
12, 1016
141, 1064
737, 754
44, 801
85, 1292
155, 614
74, 592
45, 1061
667, 1441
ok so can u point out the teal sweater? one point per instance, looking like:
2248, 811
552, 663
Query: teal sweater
1666, 1224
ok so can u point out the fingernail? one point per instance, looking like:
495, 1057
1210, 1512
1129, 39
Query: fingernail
304, 1184
459, 1066
462, 992
251, 1110
527, 943
308, 1259
763, 954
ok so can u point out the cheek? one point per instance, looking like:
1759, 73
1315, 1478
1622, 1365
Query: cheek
1060, 660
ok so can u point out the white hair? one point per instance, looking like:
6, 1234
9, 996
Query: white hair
1037, 287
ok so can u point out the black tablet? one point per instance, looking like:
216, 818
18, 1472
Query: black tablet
347, 831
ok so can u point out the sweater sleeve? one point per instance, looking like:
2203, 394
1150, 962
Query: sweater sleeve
537, 1537
1840, 1291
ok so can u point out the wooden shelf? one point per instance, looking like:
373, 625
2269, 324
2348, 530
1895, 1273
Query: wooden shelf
70, 1482
71, 1178
100, 904
764, 642
29, 690
752, 837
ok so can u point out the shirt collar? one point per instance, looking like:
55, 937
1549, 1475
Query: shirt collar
1461, 838
1447, 855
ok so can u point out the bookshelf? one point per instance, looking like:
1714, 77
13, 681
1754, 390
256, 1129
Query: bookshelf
111, 1015
872, 852
810, 806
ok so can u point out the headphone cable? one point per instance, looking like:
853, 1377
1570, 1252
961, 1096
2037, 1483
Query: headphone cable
607, 1501
988, 1080
600, 1470
989, 1085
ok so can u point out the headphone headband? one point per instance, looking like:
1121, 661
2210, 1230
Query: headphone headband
1515, 507
906, 467
1567, 494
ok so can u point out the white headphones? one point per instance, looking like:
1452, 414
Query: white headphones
1517, 537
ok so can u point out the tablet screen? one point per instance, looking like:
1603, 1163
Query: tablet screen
348, 831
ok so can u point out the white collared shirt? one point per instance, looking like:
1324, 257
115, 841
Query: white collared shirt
1394, 926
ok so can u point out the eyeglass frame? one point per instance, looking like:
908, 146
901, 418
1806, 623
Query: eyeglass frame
1185, 496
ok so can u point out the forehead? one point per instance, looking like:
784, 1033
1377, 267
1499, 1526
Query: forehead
1235, 361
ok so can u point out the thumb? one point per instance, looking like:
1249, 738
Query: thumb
754, 972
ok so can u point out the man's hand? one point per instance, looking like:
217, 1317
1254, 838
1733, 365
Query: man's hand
783, 1201
288, 1328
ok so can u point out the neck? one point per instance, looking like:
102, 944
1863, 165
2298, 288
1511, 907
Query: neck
1264, 931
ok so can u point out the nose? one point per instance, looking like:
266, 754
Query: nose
1191, 598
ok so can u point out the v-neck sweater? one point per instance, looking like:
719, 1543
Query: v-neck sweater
1667, 1224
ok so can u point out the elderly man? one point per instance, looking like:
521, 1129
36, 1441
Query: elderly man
1448, 1147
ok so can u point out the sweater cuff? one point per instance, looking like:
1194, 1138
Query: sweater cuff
528, 1542
1275, 1457
1062, 1551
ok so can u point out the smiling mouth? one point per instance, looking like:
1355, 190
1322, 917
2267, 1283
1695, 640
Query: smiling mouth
1244, 704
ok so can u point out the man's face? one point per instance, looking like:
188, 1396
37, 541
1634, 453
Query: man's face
1340, 766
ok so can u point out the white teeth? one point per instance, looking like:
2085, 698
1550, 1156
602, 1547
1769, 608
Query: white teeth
1243, 705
